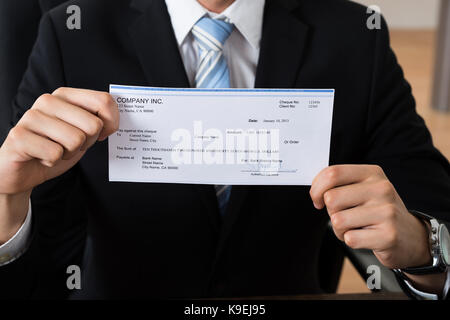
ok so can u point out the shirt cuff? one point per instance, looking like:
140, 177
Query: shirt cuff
18, 244
420, 295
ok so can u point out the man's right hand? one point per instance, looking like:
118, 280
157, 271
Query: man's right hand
50, 138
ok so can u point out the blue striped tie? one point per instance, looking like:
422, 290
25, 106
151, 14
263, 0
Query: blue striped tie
210, 35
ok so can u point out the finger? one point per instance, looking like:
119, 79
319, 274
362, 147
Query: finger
99, 103
339, 175
68, 136
370, 192
78, 117
355, 218
373, 239
345, 197
27, 145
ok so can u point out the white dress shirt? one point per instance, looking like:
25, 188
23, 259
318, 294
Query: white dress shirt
241, 52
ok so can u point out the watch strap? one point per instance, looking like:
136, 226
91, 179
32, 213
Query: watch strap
437, 265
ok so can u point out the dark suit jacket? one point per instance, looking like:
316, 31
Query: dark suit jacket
19, 20
164, 240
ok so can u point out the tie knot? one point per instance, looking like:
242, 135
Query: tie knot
211, 34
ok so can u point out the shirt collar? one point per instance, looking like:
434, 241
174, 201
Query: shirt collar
246, 15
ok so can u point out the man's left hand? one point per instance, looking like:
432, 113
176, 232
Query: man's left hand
367, 212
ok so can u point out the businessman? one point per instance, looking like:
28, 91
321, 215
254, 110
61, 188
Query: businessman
164, 240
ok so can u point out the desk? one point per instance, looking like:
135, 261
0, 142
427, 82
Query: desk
441, 87
352, 296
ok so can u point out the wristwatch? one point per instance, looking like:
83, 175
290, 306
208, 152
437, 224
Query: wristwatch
439, 246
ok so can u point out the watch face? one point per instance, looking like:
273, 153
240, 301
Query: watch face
444, 237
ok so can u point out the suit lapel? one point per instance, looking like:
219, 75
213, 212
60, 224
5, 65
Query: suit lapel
282, 46
156, 46
157, 49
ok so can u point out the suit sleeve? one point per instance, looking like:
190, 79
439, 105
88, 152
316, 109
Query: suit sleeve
59, 221
399, 141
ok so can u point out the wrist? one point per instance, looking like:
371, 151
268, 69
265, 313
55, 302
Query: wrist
422, 251
13, 211
431, 276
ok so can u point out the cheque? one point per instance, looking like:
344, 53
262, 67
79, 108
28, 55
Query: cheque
220, 136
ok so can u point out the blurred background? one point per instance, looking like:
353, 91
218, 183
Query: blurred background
415, 38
